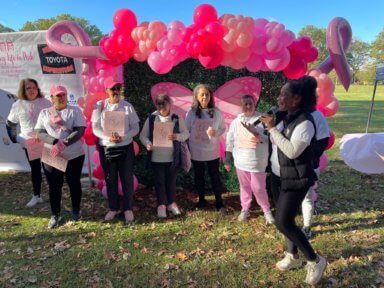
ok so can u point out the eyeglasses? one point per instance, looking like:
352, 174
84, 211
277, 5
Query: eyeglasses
116, 88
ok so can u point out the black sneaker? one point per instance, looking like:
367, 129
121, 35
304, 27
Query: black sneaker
307, 232
54, 221
76, 216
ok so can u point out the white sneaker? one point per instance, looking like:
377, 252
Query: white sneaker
244, 215
269, 217
35, 199
174, 209
289, 262
161, 211
315, 271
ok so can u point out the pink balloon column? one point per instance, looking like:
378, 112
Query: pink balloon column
326, 101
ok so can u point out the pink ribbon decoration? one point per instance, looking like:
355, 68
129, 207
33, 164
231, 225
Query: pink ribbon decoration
339, 36
85, 50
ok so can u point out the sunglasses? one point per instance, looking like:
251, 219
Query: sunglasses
116, 88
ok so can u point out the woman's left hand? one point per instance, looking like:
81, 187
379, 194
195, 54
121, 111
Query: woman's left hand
171, 137
267, 120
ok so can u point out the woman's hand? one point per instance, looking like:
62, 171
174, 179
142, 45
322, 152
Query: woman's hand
211, 132
267, 120
149, 146
115, 137
171, 137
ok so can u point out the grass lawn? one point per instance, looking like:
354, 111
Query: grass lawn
199, 249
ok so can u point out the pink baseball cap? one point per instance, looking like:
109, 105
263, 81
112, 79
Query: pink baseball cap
57, 89
110, 82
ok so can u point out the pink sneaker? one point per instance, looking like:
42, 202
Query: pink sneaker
174, 209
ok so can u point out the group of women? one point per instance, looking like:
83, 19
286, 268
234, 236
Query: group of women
290, 154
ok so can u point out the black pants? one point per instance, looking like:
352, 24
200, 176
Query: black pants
288, 205
113, 169
36, 177
214, 174
55, 179
165, 182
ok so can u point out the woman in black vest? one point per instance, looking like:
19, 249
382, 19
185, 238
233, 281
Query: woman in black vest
292, 138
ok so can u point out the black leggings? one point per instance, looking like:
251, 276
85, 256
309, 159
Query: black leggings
165, 182
288, 205
36, 177
55, 179
113, 169
214, 174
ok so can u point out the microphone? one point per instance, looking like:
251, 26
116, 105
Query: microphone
271, 111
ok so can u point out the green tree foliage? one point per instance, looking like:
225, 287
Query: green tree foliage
4, 29
377, 48
357, 56
44, 23
366, 74
318, 36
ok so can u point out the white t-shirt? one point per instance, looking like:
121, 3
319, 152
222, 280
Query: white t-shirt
25, 113
247, 159
72, 117
208, 149
322, 128
131, 118
303, 132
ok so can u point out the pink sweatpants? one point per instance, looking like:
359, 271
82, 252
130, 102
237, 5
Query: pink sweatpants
252, 182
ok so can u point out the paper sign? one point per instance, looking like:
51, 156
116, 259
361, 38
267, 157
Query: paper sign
244, 138
160, 132
199, 132
114, 121
57, 162
34, 148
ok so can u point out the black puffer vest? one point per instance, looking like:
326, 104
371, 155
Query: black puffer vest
298, 173
176, 144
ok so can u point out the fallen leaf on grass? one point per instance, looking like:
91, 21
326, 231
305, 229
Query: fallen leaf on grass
181, 256
61, 246
32, 279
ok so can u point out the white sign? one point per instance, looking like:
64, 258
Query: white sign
25, 55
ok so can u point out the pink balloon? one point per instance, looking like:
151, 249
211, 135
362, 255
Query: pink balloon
136, 148
332, 108
212, 56
158, 64
96, 157
323, 162
204, 14
279, 63
254, 63
124, 20
331, 141
104, 192
321, 109
98, 173
296, 68
244, 40
100, 184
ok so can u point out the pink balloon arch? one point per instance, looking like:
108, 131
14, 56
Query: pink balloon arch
235, 41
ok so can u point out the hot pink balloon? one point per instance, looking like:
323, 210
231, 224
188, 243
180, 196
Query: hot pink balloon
204, 14
331, 141
124, 20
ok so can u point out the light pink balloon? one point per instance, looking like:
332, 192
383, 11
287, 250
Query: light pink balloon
158, 64
244, 40
254, 63
332, 108
279, 63
96, 158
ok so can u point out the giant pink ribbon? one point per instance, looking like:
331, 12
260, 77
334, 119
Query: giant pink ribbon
85, 50
339, 36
